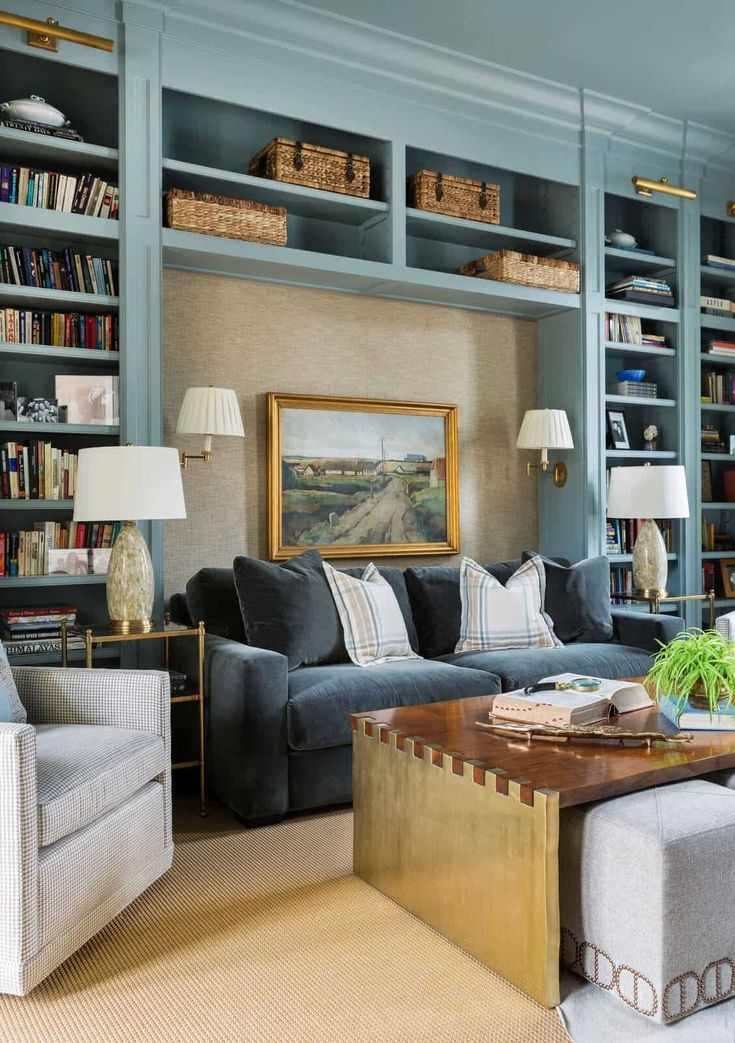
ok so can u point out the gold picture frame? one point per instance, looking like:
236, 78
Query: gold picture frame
727, 572
424, 480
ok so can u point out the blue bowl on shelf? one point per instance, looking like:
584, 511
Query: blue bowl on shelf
630, 374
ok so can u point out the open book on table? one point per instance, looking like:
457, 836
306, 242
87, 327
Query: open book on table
570, 706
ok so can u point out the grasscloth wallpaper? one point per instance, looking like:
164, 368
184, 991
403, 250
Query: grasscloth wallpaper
257, 337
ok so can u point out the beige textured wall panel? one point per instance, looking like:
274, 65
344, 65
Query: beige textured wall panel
257, 337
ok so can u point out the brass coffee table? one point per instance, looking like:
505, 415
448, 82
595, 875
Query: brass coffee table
461, 826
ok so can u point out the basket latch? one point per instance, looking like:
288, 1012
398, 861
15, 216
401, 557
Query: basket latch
439, 188
483, 196
298, 156
350, 169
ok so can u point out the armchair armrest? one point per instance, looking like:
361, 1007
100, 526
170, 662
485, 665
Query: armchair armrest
644, 629
18, 850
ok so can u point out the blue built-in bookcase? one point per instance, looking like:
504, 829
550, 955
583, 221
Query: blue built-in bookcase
190, 92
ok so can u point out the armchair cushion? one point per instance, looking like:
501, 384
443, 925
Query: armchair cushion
84, 771
12, 710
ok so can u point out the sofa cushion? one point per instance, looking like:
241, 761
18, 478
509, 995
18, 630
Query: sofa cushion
289, 609
578, 598
86, 770
397, 581
211, 596
321, 698
518, 667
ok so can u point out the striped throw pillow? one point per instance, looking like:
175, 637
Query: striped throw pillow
510, 616
373, 625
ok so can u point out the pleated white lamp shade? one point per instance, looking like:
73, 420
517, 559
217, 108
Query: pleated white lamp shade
128, 483
210, 411
648, 492
545, 429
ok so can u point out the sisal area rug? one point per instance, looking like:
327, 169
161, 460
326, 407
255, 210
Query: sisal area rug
264, 936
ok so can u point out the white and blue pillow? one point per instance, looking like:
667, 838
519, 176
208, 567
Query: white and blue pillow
511, 616
12, 710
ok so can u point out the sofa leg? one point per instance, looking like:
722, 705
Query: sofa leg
255, 823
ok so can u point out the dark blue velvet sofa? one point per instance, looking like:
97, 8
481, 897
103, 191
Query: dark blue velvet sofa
279, 741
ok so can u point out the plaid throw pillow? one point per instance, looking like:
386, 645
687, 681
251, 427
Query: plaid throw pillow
12, 710
510, 616
374, 628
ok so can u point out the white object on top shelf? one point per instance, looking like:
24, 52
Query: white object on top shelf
34, 110
622, 240
725, 625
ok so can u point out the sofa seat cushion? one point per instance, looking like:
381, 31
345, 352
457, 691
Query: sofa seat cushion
321, 698
518, 667
86, 770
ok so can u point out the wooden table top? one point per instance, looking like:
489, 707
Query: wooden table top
578, 772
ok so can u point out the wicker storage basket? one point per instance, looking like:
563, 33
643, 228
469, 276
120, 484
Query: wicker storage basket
526, 270
231, 218
455, 196
313, 166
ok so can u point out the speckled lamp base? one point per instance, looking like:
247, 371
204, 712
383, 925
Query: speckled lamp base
130, 582
650, 565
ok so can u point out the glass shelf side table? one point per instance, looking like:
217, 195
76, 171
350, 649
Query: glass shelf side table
97, 636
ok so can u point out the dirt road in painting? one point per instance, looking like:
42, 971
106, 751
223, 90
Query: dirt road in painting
387, 517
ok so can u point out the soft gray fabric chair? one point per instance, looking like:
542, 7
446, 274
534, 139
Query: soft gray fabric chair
85, 810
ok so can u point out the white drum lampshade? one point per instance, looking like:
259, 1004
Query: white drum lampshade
546, 429
648, 492
128, 484
209, 411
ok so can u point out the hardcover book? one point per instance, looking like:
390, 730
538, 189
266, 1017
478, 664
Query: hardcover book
692, 719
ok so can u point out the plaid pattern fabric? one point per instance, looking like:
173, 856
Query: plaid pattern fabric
510, 616
9, 692
18, 843
374, 628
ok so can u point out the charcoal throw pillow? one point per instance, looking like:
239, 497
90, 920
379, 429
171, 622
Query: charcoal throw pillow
373, 624
504, 616
578, 599
289, 609
12, 710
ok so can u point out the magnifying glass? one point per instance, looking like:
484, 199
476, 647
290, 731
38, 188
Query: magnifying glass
577, 684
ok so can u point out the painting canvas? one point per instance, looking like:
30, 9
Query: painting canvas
362, 477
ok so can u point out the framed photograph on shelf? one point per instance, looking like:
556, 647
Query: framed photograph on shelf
38, 410
617, 429
78, 561
358, 476
90, 399
727, 571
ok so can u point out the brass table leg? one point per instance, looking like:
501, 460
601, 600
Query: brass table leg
470, 851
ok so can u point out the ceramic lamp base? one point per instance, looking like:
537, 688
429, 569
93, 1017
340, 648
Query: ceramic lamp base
650, 564
130, 583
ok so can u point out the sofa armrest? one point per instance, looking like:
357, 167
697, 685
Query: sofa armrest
18, 850
643, 629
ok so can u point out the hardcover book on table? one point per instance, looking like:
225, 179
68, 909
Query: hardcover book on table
693, 719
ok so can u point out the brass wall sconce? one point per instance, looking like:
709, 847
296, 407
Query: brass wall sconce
47, 34
730, 208
646, 187
208, 411
546, 429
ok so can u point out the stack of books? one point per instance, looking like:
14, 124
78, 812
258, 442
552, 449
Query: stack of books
719, 262
59, 329
718, 388
40, 128
36, 470
653, 340
63, 548
724, 348
29, 631
637, 388
711, 439
57, 270
719, 306
84, 194
641, 289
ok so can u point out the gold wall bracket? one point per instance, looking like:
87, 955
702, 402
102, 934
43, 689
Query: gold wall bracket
46, 35
644, 186
186, 457
730, 208
558, 472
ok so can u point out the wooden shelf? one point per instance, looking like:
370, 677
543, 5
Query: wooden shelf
36, 505
628, 262
630, 400
22, 147
59, 429
615, 347
643, 311
716, 407
623, 559
49, 353
720, 274
38, 297
55, 224
717, 360
441, 228
717, 322
50, 581
708, 505
713, 555
640, 454
724, 457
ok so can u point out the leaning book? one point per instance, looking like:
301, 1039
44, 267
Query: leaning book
695, 720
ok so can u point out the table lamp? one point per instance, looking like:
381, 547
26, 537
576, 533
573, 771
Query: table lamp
117, 483
546, 429
208, 411
648, 492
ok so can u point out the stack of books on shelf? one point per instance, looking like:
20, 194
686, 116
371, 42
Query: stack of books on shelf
59, 329
36, 470
57, 270
48, 190
621, 534
724, 348
718, 388
713, 540
637, 388
727, 263
711, 439
58, 548
41, 128
30, 631
640, 289
719, 306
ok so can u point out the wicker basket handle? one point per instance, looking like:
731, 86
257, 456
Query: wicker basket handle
477, 267
298, 156
483, 196
439, 188
350, 169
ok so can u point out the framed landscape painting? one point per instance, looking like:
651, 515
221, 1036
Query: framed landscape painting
361, 477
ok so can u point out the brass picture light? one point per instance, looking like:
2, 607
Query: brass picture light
644, 186
47, 34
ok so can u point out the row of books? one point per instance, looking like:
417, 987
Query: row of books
712, 539
641, 289
57, 548
709, 576
627, 329
48, 190
711, 440
60, 329
30, 630
621, 579
717, 306
718, 388
57, 270
621, 534
37, 470
723, 348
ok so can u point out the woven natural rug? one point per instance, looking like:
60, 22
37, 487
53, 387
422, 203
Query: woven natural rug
264, 936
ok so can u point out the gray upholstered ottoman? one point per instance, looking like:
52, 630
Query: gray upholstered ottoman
647, 887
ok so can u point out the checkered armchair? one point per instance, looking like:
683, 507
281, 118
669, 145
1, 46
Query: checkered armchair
85, 810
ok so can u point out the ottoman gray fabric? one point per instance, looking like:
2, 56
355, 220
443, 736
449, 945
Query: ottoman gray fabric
647, 888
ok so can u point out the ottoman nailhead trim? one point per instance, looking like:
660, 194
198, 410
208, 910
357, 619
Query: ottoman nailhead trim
618, 976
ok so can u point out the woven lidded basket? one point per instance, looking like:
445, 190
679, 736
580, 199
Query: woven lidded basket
231, 218
544, 273
313, 166
455, 196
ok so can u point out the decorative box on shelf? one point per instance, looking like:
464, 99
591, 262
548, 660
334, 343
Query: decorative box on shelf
525, 270
313, 166
454, 196
222, 216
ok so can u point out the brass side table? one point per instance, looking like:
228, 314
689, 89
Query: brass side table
655, 601
94, 637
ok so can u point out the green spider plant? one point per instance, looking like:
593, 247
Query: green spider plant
697, 662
